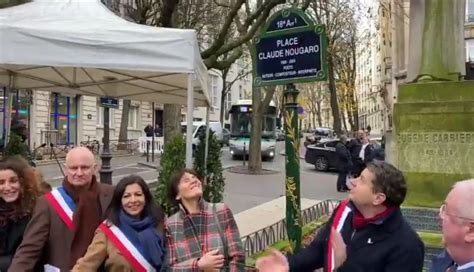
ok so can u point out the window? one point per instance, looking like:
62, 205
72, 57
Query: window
470, 11
241, 94
214, 92
100, 116
470, 50
227, 102
133, 117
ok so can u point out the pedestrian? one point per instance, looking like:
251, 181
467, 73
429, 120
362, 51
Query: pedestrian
18, 194
366, 232
131, 238
344, 164
354, 146
64, 221
457, 220
201, 235
149, 130
366, 155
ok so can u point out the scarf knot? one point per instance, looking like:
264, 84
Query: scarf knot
144, 236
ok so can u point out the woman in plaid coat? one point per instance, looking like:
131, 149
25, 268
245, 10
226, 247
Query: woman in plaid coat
201, 236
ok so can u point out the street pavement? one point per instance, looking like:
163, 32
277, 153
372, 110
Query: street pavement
242, 191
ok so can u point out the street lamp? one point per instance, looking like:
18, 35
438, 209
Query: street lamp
292, 179
106, 168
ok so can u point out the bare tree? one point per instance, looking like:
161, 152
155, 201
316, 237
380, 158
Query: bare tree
242, 72
334, 15
314, 95
221, 41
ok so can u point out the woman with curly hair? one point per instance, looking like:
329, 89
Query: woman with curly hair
18, 193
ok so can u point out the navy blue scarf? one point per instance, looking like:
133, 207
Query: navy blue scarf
144, 236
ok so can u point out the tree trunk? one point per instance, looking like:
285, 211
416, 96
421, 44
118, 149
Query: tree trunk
343, 119
172, 121
123, 133
350, 117
318, 113
224, 92
255, 150
333, 98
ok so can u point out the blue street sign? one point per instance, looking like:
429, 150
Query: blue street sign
109, 102
290, 56
289, 49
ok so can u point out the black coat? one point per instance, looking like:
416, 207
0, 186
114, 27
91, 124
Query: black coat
344, 162
359, 164
392, 246
11, 236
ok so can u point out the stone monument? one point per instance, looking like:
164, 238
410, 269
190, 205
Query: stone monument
434, 115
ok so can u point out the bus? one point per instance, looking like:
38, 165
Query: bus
240, 129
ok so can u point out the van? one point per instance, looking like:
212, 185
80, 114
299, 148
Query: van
200, 127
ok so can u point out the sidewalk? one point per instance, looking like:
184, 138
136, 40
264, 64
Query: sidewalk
266, 214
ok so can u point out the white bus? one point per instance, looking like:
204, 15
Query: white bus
240, 128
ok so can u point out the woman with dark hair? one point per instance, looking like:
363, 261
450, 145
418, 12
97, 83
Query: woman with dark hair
18, 193
131, 237
201, 236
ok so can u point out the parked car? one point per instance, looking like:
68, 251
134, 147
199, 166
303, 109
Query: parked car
280, 135
318, 134
322, 155
226, 136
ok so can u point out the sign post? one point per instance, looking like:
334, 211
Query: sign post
290, 49
106, 168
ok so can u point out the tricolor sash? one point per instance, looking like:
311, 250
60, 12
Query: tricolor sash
339, 220
63, 205
126, 247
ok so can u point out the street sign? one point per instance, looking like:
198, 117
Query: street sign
289, 49
109, 102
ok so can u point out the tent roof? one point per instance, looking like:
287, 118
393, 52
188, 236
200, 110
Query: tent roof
81, 47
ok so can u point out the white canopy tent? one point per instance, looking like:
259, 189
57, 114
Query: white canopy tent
80, 47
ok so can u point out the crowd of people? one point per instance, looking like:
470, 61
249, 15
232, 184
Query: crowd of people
84, 225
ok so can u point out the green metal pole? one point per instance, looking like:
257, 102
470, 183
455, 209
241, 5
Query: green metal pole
292, 180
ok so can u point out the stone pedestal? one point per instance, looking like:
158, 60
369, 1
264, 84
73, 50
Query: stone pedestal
434, 126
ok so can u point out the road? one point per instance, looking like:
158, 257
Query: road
242, 191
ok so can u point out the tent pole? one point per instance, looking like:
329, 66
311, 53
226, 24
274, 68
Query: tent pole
206, 148
8, 110
189, 123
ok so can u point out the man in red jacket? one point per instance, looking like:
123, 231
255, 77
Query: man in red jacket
366, 233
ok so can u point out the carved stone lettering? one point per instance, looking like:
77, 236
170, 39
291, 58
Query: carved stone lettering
436, 152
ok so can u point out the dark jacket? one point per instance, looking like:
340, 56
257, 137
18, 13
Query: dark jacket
443, 261
391, 246
344, 162
359, 164
11, 236
354, 147
47, 238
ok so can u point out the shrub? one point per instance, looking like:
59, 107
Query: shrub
173, 159
214, 180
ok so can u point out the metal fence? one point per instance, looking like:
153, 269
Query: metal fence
262, 239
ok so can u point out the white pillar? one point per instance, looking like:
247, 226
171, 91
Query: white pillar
189, 123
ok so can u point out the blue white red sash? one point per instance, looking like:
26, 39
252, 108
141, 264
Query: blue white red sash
127, 248
63, 205
339, 220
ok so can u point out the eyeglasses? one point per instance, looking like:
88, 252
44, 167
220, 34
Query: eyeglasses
443, 211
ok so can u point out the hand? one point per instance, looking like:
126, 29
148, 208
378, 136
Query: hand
275, 262
340, 252
211, 260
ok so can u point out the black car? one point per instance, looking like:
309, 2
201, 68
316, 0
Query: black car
322, 155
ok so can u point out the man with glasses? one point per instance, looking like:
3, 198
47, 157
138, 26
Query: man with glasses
64, 220
457, 218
